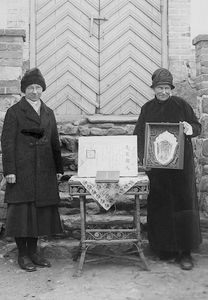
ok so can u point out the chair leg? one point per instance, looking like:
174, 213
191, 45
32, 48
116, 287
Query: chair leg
81, 262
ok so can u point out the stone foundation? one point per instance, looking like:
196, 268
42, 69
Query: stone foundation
201, 145
96, 125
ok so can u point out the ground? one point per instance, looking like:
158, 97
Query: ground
101, 281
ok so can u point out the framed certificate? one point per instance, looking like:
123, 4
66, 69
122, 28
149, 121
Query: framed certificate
164, 145
104, 157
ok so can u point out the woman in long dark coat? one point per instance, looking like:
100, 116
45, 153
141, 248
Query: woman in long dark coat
31, 163
172, 207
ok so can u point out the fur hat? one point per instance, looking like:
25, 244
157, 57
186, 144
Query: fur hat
162, 76
32, 76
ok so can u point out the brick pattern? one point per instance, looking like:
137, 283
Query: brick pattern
11, 56
179, 38
15, 14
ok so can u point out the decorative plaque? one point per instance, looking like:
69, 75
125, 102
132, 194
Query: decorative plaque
164, 145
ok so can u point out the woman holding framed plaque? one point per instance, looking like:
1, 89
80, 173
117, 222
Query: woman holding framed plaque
172, 208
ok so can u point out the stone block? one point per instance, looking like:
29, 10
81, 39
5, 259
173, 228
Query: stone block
203, 186
201, 78
200, 40
69, 164
204, 70
202, 85
204, 123
12, 62
200, 52
2, 90
104, 125
203, 161
203, 204
69, 129
183, 89
10, 39
205, 169
7, 101
12, 32
10, 73
205, 148
112, 119
204, 63
130, 129
197, 145
70, 143
13, 90
203, 92
93, 208
68, 211
3, 46
15, 47
9, 83
98, 131
11, 54
117, 131
204, 104
84, 130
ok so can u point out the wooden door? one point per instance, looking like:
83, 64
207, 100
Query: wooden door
66, 54
130, 52
97, 55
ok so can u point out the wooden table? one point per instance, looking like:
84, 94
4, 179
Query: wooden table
110, 236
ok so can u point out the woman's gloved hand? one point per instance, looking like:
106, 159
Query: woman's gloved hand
11, 178
187, 128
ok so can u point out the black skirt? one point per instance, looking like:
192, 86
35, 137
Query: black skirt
27, 220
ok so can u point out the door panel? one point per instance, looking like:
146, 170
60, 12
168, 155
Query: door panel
130, 52
66, 55
97, 55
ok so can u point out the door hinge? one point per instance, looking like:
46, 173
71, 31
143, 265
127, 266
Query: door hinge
92, 22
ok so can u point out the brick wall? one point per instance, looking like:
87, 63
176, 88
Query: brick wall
179, 38
11, 62
15, 15
181, 52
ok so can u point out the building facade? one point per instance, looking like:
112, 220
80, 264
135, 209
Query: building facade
97, 57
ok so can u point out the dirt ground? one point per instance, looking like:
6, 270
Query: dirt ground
101, 281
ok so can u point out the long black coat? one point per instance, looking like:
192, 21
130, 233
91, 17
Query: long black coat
172, 207
33, 158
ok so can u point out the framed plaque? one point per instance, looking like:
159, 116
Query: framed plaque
164, 145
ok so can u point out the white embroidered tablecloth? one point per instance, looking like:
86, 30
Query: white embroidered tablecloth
108, 193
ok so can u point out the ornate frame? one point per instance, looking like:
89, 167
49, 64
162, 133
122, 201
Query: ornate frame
164, 145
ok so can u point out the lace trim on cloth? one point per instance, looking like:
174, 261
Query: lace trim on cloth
106, 194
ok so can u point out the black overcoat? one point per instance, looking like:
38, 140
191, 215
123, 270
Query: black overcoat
172, 207
34, 159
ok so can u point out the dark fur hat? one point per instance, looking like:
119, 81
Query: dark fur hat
162, 76
32, 76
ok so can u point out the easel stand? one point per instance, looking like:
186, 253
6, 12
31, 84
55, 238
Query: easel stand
92, 237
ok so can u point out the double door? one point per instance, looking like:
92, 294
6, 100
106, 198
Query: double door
97, 55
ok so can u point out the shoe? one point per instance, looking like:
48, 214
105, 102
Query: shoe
186, 262
40, 261
26, 264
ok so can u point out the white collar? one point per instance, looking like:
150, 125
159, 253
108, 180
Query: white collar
35, 104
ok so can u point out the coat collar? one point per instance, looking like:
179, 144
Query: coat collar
31, 113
